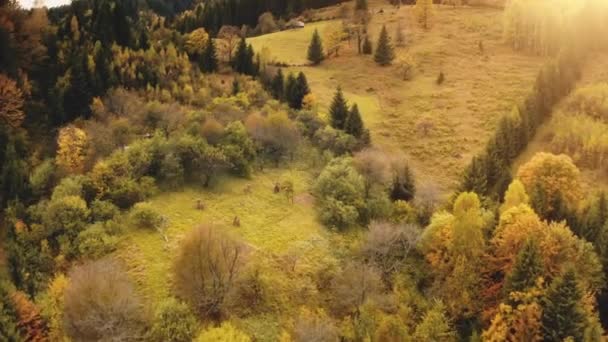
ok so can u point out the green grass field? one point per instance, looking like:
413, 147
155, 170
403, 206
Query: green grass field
595, 71
479, 86
276, 231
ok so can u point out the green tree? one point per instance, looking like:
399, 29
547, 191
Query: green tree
173, 322
435, 326
384, 51
242, 62
297, 89
13, 180
208, 60
338, 112
315, 49
526, 270
563, 315
277, 86
354, 123
340, 193
403, 187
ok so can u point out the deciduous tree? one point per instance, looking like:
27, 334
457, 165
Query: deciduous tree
207, 265
11, 102
72, 146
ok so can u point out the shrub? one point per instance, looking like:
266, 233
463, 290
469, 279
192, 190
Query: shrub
340, 192
224, 333
143, 215
207, 265
173, 322
43, 177
95, 242
103, 210
101, 301
314, 326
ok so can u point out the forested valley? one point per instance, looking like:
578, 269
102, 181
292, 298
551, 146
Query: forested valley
304, 170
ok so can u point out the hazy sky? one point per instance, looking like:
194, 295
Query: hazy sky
49, 3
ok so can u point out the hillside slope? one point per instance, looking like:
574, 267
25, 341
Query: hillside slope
480, 84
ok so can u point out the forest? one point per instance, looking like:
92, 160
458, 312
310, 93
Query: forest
304, 170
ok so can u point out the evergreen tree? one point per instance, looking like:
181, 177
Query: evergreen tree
338, 111
208, 61
315, 49
403, 187
354, 123
526, 270
253, 68
301, 89
13, 178
291, 90
476, 176
563, 315
367, 48
242, 62
384, 51
277, 86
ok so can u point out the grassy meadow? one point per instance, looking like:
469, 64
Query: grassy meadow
479, 86
284, 237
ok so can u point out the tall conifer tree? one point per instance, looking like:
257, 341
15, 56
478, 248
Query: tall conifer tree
315, 49
384, 51
208, 61
338, 111
563, 315
354, 123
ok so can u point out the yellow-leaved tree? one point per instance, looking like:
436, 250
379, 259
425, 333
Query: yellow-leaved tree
11, 102
71, 149
196, 41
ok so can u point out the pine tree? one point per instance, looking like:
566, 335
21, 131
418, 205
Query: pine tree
277, 86
354, 123
563, 315
13, 178
384, 51
242, 62
315, 49
338, 111
302, 89
208, 61
526, 270
291, 90
476, 176
403, 187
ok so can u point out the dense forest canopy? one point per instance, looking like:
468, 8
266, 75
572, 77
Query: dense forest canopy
168, 172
